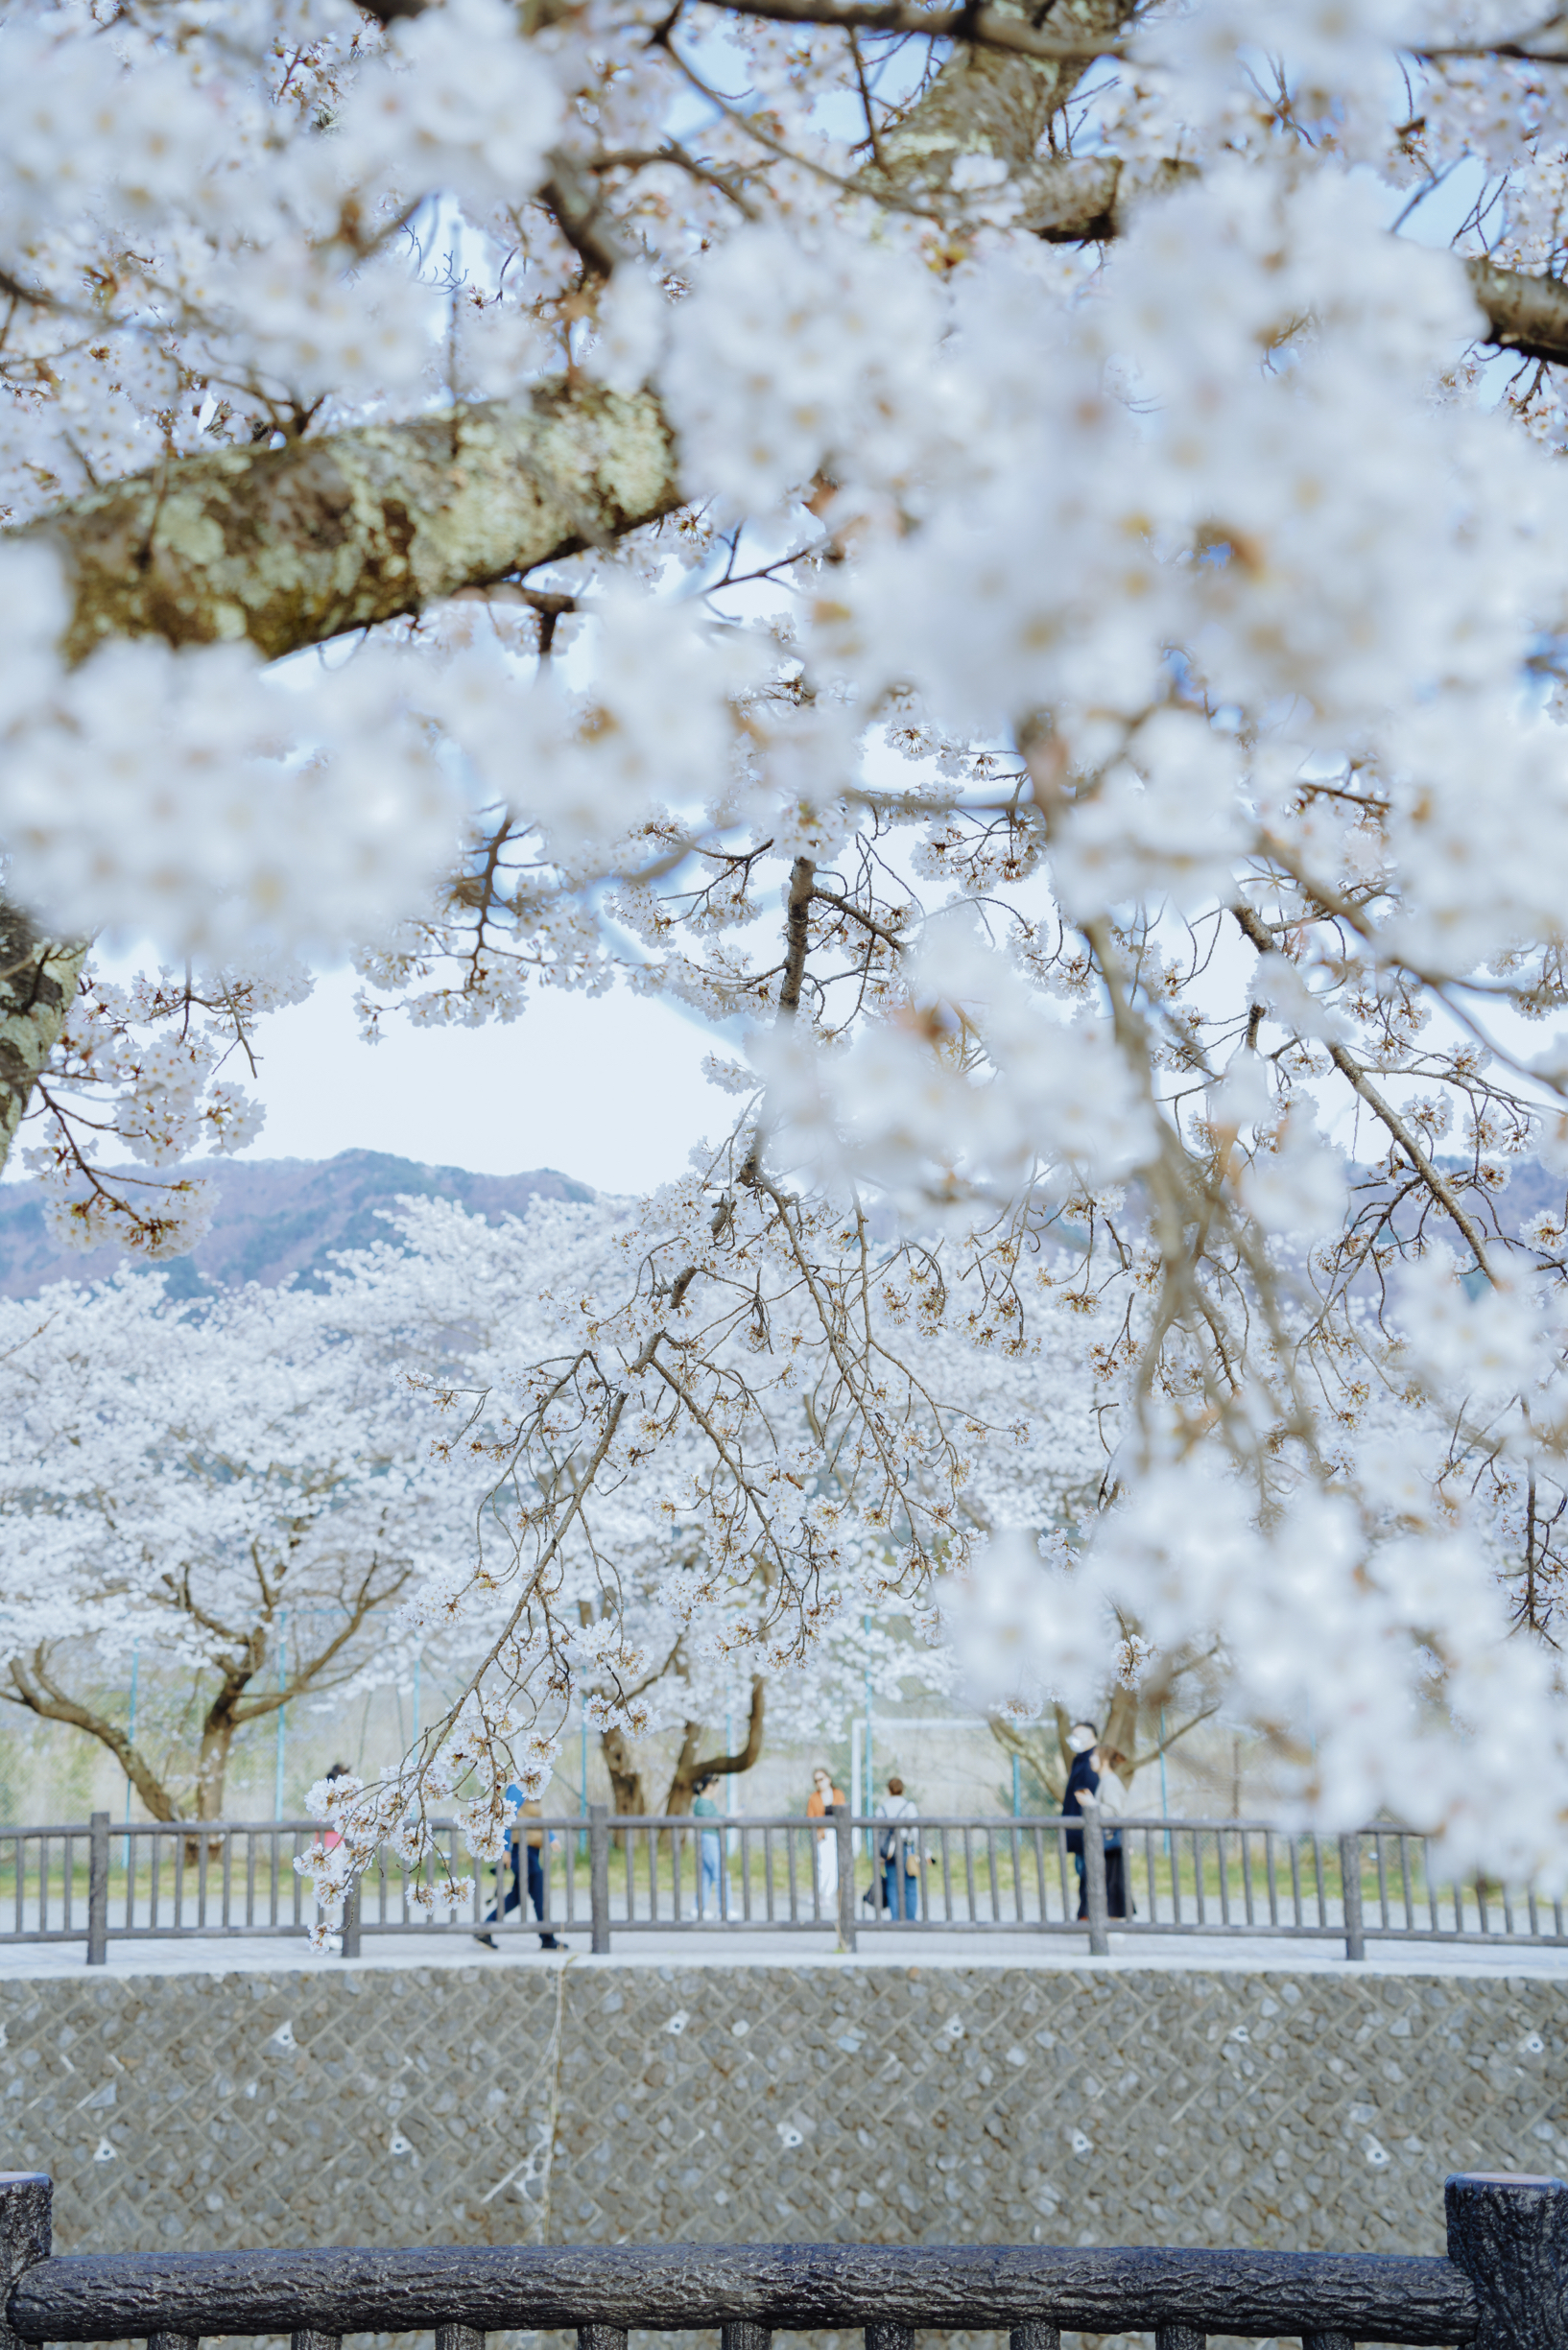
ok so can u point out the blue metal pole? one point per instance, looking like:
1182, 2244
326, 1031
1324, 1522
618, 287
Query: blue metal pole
282, 1683
130, 1731
131, 1734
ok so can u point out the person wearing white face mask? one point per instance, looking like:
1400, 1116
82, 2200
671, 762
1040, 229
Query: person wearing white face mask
1083, 1778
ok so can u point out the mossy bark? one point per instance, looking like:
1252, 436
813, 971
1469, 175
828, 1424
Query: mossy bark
38, 979
290, 546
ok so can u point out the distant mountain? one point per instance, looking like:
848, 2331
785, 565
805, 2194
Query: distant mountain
284, 1219
277, 1220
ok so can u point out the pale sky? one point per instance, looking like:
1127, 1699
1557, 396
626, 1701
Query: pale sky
608, 1090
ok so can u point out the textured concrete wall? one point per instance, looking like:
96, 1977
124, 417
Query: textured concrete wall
607, 2101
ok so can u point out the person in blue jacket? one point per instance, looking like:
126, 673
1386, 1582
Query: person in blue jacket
531, 1841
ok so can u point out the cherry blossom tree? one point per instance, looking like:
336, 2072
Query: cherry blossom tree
979, 551
643, 1636
241, 1486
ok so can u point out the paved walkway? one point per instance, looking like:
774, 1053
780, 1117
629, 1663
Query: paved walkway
23, 1961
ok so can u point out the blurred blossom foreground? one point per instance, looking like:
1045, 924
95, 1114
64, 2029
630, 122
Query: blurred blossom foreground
975, 552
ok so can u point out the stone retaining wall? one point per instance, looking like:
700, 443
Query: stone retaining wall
607, 2101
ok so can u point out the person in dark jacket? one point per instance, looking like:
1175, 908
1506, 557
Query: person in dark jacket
1082, 1779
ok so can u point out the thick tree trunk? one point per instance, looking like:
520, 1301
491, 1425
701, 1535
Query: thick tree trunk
212, 1762
692, 1767
627, 1793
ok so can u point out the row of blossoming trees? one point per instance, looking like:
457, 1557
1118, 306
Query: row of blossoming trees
992, 555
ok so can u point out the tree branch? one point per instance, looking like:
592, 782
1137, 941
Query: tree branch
1526, 313
51, 1705
797, 931
290, 546
989, 28
1431, 1174
37, 986
718, 1765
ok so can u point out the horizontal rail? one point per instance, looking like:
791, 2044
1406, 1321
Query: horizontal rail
678, 2287
778, 1873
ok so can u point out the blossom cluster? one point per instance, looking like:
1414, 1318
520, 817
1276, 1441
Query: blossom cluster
1088, 742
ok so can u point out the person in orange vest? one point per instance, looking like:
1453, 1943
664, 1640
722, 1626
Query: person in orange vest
823, 1800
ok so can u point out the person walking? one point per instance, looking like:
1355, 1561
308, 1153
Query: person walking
899, 1850
1082, 1779
821, 1803
713, 1881
331, 1837
1107, 1802
531, 1841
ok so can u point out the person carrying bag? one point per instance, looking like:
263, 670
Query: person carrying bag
898, 1850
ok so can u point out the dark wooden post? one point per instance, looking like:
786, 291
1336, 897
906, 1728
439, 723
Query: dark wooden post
1328, 2342
1179, 2337
1355, 1939
1034, 2337
741, 2334
459, 2338
309, 2339
98, 1889
599, 1875
26, 2234
847, 1876
1508, 2231
601, 2338
173, 2341
1094, 1886
890, 2337
350, 1922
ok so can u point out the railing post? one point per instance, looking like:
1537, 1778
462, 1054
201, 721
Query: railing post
847, 1876
98, 1889
598, 1876
1035, 2337
1508, 2231
1355, 1939
1094, 1886
459, 2338
350, 1922
26, 2237
740, 2334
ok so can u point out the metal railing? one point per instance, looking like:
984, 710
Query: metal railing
1502, 2285
606, 1876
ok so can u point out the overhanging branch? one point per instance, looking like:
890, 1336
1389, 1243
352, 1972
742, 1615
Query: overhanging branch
293, 545
989, 28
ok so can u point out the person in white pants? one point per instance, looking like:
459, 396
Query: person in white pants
819, 1805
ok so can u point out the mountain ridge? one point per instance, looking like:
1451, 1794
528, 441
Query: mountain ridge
277, 1220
